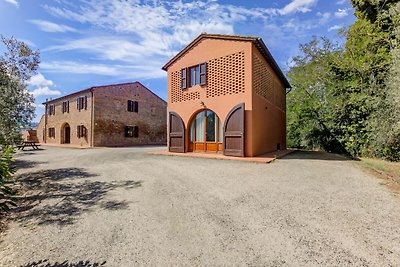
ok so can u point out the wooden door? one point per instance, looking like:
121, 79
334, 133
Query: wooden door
176, 133
67, 135
234, 132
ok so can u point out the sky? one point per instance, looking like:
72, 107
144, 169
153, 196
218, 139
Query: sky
85, 43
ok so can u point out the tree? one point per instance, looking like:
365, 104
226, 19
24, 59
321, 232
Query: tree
17, 65
345, 98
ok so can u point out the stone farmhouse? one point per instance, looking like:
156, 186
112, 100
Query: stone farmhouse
226, 94
126, 114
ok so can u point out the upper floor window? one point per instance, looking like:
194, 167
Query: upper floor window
196, 75
51, 110
81, 102
65, 107
133, 106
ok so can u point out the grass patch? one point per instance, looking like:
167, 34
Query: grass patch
387, 170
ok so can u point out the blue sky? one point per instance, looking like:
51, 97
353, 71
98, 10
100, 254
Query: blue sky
93, 42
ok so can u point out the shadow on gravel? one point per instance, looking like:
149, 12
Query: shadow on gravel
315, 155
65, 195
25, 164
45, 263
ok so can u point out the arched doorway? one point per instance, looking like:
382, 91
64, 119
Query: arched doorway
66, 134
205, 132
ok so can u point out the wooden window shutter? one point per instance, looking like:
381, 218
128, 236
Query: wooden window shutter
129, 105
78, 104
203, 73
127, 129
183, 78
136, 131
78, 131
136, 106
85, 99
68, 106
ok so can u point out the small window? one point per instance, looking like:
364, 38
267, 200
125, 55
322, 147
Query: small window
197, 76
132, 131
81, 103
51, 110
133, 106
65, 107
81, 131
52, 132
194, 74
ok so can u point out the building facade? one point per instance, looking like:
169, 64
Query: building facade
112, 115
226, 94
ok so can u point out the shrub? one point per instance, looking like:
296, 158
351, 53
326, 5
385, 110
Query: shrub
6, 179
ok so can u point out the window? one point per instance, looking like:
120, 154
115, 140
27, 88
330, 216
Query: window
52, 110
81, 131
194, 74
81, 103
133, 106
52, 132
65, 107
132, 131
197, 76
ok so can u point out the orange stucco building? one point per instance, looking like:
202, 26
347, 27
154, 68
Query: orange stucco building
226, 94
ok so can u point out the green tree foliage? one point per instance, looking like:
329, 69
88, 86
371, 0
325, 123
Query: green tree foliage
6, 179
339, 93
17, 65
386, 119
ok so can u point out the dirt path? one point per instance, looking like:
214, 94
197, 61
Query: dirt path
124, 207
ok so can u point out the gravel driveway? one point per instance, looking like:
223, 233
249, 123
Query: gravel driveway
125, 207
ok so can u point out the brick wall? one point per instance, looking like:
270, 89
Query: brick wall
111, 116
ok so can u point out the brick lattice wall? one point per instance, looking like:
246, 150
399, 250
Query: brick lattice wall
226, 75
264, 84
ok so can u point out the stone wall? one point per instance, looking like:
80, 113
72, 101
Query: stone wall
111, 116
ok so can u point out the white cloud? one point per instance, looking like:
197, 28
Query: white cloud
335, 28
341, 2
48, 26
151, 70
341, 13
13, 2
324, 17
302, 6
45, 91
39, 80
41, 86
148, 33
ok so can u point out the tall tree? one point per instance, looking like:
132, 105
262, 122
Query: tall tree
17, 65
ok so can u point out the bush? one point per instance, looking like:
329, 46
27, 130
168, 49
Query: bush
6, 179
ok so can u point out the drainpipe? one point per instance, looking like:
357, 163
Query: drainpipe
92, 119
45, 123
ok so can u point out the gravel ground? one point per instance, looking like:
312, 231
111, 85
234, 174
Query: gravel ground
125, 207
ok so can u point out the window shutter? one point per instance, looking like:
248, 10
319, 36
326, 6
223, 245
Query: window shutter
129, 105
136, 131
78, 106
126, 131
78, 131
85, 102
203, 73
183, 78
68, 106
136, 106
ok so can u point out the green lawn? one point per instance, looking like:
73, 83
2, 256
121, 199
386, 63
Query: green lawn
383, 167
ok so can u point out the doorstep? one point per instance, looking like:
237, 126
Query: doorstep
265, 158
